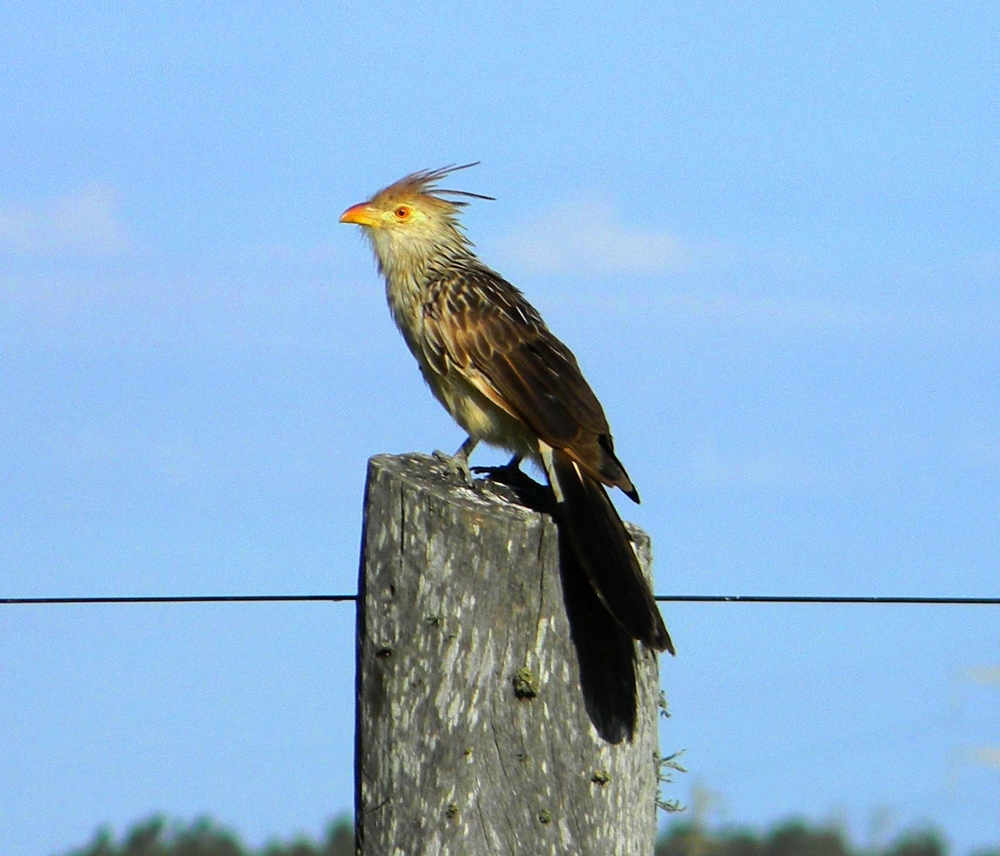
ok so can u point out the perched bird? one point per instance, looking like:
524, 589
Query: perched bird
490, 360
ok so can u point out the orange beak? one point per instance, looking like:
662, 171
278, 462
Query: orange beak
360, 214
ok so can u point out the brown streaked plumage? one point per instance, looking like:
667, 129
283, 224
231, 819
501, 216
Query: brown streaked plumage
497, 369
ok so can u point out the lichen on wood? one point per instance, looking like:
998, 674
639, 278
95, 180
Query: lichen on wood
481, 727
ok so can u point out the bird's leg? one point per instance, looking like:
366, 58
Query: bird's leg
459, 462
509, 474
512, 469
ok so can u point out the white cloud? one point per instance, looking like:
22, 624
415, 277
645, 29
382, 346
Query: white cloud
85, 223
586, 236
985, 675
711, 463
987, 756
756, 310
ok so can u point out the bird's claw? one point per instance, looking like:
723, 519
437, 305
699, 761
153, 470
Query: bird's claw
457, 465
509, 474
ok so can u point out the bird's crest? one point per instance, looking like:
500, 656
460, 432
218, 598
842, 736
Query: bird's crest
424, 184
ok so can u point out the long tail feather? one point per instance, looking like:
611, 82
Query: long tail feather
604, 550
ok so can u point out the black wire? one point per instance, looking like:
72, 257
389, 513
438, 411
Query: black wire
758, 598
340, 598
197, 598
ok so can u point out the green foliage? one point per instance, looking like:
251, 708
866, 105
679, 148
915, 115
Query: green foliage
788, 839
919, 844
157, 837
666, 766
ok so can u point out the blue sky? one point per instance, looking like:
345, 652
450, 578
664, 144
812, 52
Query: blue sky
768, 232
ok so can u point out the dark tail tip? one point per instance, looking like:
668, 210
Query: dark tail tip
662, 641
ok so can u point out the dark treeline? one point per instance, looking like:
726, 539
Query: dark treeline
158, 837
792, 839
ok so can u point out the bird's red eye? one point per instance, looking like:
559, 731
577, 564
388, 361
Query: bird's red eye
402, 212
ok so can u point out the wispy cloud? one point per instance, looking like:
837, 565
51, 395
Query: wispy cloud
86, 222
711, 463
985, 675
987, 756
586, 236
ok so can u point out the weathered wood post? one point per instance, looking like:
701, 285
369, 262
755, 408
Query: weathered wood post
473, 734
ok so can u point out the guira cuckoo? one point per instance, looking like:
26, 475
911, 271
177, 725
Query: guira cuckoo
490, 360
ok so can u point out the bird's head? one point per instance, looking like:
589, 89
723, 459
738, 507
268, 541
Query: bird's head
413, 220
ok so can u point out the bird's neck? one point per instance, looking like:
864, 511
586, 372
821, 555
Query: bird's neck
409, 282
402, 254
404, 294
408, 263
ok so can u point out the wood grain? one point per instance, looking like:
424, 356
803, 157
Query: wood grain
473, 733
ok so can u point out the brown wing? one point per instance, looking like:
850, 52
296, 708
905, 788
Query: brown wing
480, 325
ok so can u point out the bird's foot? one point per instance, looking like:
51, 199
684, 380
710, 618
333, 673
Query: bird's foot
509, 474
458, 465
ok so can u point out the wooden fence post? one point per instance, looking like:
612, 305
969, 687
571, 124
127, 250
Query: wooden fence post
479, 720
